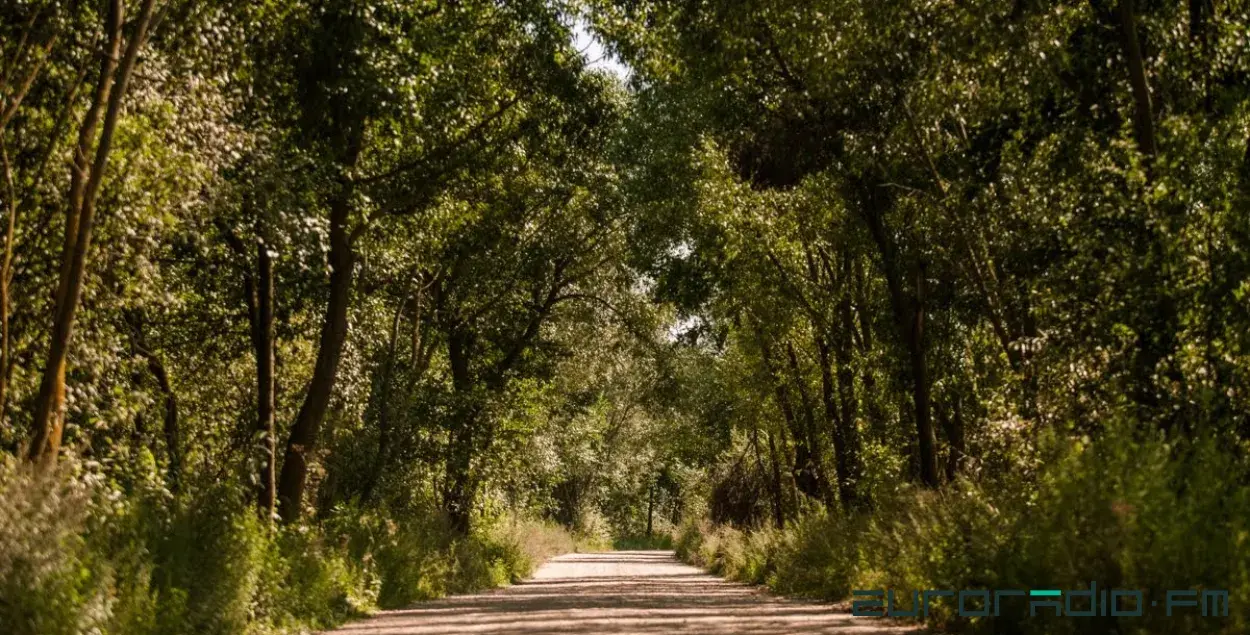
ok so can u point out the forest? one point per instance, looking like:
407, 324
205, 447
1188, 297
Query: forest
314, 307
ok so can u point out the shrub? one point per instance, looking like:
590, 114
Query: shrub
528, 543
654, 542
76, 557
50, 581
209, 558
815, 558
1126, 512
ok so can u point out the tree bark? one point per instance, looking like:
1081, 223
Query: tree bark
845, 427
779, 502
173, 443
853, 470
10, 100
114, 80
807, 452
303, 438
465, 439
1143, 115
871, 401
782, 394
909, 316
650, 507
384, 405
1200, 14
264, 345
459, 495
953, 427
258, 291
832, 419
5, 267
920, 379
774, 481
1159, 317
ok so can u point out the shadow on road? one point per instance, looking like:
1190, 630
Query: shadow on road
636, 592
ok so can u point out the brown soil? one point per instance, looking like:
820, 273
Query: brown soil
634, 592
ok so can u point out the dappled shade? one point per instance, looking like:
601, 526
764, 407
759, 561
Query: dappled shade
628, 592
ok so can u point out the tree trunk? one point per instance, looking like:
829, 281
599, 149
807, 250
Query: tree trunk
845, 430
172, 439
953, 426
843, 423
266, 382
927, 445
1143, 115
1159, 316
909, 316
849, 429
845, 493
12, 94
807, 451
173, 443
258, 291
459, 494
6, 268
384, 405
650, 507
782, 394
779, 503
1200, 14
86, 177
871, 400
774, 481
10, 204
302, 441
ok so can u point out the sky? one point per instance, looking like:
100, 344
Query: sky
592, 50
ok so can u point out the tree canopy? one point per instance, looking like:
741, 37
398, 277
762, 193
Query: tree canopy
329, 267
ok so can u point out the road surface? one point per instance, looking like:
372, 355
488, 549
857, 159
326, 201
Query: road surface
634, 592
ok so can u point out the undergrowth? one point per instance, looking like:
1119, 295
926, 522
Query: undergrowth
653, 542
1108, 512
76, 556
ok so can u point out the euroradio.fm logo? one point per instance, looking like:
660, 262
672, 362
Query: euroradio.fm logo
1090, 602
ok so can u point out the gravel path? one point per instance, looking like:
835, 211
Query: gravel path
636, 592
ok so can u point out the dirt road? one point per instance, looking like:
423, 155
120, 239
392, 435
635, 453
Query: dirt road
635, 592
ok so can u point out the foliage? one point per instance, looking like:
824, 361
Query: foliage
1105, 512
78, 557
310, 306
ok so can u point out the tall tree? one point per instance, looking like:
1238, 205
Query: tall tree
90, 163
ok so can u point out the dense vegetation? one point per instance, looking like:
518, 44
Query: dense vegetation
313, 306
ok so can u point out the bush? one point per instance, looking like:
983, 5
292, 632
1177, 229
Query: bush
76, 556
416, 556
208, 557
50, 581
592, 532
308, 581
1112, 512
654, 542
528, 543
815, 558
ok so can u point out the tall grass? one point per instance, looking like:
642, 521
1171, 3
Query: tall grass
1127, 513
78, 557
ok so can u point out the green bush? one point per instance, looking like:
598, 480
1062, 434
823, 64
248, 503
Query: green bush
528, 543
50, 581
1109, 512
209, 557
311, 582
815, 559
654, 542
76, 556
